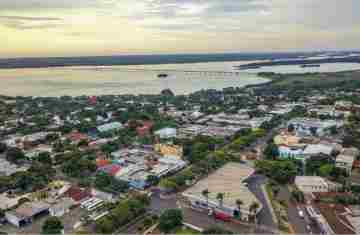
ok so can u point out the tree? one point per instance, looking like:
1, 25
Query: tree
168, 185
291, 128
104, 225
239, 203
254, 208
45, 158
170, 219
14, 155
271, 151
220, 198
298, 196
3, 147
152, 180
276, 191
205, 194
52, 225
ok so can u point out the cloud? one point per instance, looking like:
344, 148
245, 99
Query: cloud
30, 22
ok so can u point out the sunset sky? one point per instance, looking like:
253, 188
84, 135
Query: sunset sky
33, 28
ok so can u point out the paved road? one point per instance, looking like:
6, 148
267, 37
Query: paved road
200, 219
299, 224
264, 216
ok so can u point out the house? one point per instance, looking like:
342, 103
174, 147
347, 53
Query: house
145, 128
26, 213
166, 133
61, 207
311, 184
110, 169
76, 137
228, 180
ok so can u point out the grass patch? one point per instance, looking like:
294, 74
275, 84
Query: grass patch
279, 210
184, 231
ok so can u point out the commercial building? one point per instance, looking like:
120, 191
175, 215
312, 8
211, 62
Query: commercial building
26, 213
61, 207
229, 181
313, 127
311, 184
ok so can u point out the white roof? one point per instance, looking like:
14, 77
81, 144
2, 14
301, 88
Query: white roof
110, 126
309, 180
227, 180
313, 149
345, 158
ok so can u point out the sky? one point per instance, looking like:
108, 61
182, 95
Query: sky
41, 28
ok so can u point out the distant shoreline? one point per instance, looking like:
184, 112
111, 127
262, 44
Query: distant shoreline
18, 63
302, 62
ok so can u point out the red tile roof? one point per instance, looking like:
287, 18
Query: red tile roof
102, 162
77, 194
110, 169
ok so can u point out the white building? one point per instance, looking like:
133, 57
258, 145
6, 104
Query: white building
166, 133
311, 184
317, 127
345, 162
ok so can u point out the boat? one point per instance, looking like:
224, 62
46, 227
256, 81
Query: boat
163, 75
310, 65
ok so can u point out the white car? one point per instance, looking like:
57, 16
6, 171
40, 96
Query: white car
301, 214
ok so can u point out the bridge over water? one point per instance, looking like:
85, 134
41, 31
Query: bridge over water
186, 72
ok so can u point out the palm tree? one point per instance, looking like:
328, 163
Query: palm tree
239, 203
253, 209
220, 198
205, 194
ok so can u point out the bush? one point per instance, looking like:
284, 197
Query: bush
170, 219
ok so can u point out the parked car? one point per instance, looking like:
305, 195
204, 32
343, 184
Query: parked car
301, 214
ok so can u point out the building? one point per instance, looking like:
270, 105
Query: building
311, 184
166, 133
318, 149
229, 181
113, 126
313, 127
61, 207
26, 213
345, 162
286, 152
169, 150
